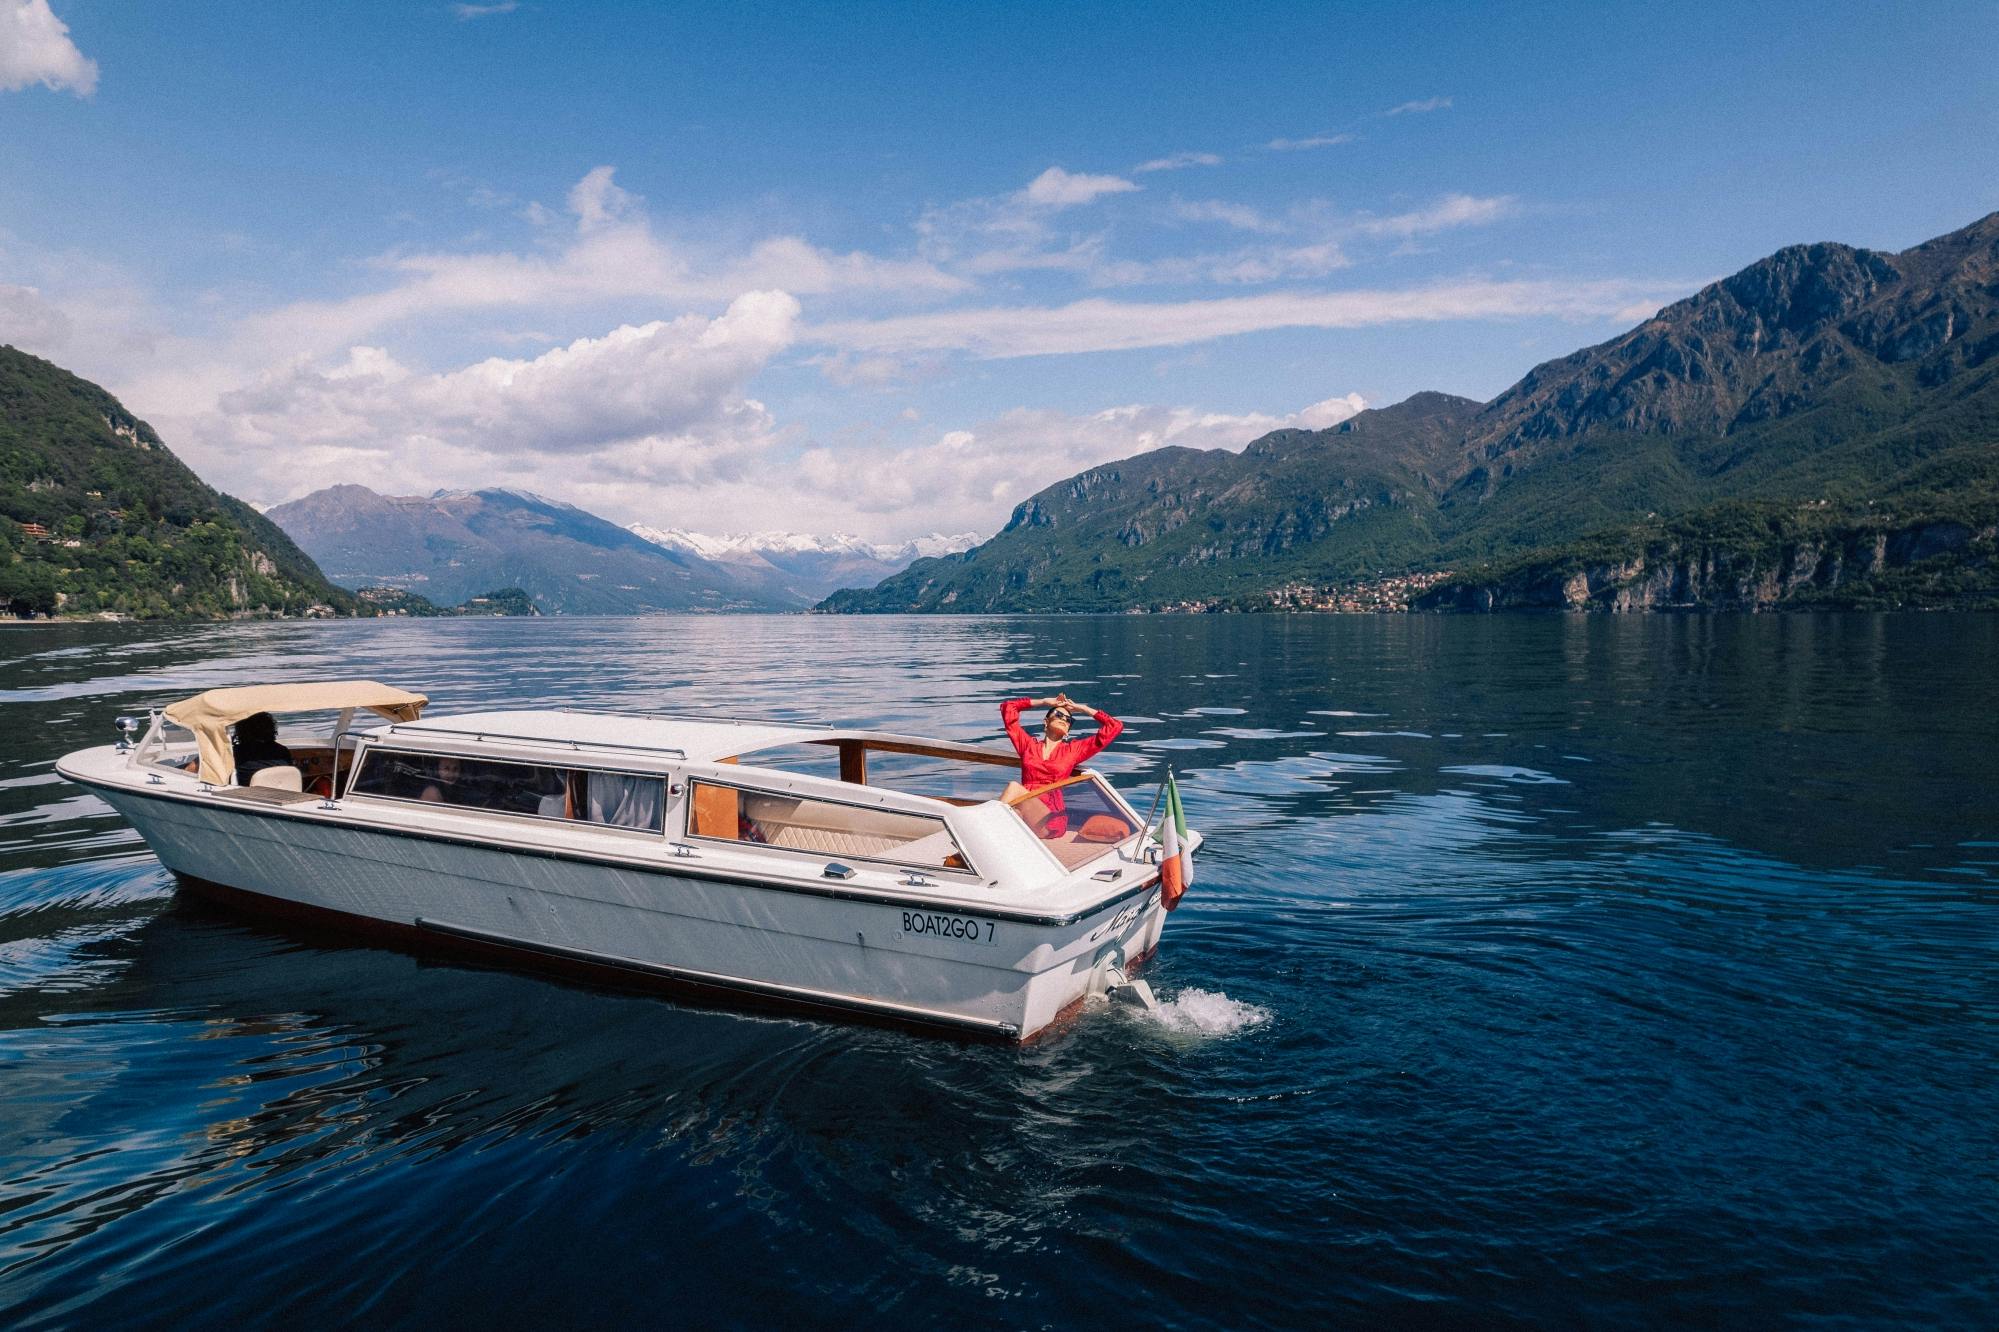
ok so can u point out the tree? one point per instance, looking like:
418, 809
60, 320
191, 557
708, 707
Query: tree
28, 588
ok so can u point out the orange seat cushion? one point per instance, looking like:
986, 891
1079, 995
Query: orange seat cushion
1103, 828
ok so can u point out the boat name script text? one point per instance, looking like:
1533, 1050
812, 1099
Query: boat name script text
947, 927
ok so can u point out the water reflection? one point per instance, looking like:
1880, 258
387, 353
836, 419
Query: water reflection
1541, 969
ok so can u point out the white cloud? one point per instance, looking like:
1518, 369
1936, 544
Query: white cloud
612, 255
88, 316
1454, 210
35, 48
1419, 107
657, 403
1247, 265
1056, 188
597, 201
1314, 141
1105, 325
30, 322
664, 381
1330, 412
1240, 216
959, 480
1015, 232
466, 12
1179, 162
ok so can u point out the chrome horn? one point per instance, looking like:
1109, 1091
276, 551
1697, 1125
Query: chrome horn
126, 726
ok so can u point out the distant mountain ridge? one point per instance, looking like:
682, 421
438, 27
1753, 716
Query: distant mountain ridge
813, 564
1823, 374
452, 546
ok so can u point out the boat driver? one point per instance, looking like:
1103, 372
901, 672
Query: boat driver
256, 747
444, 786
1053, 757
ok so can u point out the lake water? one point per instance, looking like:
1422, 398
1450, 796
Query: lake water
1540, 970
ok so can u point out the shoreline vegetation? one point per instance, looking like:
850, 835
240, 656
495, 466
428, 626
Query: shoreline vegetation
99, 519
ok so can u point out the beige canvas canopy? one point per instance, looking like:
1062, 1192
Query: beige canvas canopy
210, 715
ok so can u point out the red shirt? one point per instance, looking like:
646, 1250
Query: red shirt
1037, 772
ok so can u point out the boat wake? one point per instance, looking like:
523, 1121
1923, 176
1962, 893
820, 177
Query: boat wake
1205, 1013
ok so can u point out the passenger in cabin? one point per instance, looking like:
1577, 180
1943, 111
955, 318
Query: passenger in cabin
1051, 758
256, 747
446, 784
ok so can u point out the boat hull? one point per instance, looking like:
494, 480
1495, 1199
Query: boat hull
995, 975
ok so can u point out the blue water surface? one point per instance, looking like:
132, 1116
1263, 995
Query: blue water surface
1579, 971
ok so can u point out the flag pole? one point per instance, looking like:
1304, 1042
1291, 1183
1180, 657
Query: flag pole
1157, 797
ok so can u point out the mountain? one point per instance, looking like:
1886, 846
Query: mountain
1824, 375
456, 545
813, 565
98, 516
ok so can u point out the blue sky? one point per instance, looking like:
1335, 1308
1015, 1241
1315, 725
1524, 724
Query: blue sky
892, 268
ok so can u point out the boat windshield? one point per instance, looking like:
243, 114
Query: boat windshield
1078, 820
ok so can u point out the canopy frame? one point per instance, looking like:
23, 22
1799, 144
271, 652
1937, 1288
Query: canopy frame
210, 715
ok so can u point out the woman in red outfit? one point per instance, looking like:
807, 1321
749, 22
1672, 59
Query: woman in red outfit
1054, 756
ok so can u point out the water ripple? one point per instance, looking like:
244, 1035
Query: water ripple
1631, 973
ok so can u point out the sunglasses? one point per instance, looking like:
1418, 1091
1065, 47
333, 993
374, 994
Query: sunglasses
1058, 715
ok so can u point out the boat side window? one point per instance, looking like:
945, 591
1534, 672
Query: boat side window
624, 801
615, 799
826, 827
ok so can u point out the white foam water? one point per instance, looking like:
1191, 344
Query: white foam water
1195, 1012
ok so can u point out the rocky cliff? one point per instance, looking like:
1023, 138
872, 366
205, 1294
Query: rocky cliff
1865, 562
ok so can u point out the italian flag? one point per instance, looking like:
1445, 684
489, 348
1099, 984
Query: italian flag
1176, 865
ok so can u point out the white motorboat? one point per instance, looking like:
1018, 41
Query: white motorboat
842, 869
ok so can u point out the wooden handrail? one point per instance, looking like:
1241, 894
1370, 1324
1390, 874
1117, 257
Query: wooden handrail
1026, 796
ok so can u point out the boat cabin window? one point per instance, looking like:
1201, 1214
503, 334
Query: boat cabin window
1078, 820
824, 827
619, 800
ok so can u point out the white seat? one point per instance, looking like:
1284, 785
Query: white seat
284, 778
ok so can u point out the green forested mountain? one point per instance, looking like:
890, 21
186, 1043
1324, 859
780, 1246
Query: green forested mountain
96, 515
1823, 376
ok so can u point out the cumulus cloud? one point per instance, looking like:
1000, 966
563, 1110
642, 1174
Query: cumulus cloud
659, 402
35, 48
1106, 325
1179, 162
1419, 107
1313, 141
1056, 188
